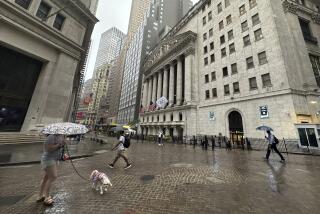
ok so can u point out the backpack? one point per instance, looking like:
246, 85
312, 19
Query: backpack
126, 143
276, 140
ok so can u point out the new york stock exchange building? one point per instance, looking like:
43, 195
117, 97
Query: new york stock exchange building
228, 67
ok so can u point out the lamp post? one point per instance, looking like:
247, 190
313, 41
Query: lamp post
96, 110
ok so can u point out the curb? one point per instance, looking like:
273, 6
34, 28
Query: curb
38, 161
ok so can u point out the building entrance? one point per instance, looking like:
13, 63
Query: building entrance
236, 128
18, 78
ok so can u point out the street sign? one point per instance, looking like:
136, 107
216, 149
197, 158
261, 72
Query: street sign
264, 112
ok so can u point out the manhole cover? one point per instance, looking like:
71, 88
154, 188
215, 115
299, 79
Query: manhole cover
10, 200
146, 178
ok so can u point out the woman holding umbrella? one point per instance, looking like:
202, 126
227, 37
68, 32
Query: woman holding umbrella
49, 159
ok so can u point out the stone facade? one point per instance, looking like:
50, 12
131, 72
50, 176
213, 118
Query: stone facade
61, 52
250, 67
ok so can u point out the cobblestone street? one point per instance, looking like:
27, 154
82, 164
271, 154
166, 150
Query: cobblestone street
172, 179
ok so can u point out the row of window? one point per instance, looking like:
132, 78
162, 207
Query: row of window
244, 26
43, 12
262, 57
157, 119
265, 78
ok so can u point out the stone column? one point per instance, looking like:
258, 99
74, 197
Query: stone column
171, 85
179, 81
189, 58
149, 91
159, 92
165, 83
145, 95
154, 88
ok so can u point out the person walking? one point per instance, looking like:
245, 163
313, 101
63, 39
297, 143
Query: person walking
213, 142
205, 142
49, 159
220, 140
121, 150
160, 139
248, 144
273, 146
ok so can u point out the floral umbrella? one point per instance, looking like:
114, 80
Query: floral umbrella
65, 129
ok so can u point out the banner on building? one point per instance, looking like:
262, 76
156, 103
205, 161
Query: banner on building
211, 115
264, 112
87, 100
162, 102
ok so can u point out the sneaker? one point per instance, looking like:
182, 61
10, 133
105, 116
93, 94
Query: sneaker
128, 166
111, 165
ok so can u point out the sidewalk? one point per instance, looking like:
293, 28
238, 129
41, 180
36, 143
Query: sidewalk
29, 153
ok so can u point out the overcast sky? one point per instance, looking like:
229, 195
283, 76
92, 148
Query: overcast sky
110, 13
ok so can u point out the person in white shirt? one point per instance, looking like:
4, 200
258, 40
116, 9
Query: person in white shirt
160, 139
120, 152
272, 146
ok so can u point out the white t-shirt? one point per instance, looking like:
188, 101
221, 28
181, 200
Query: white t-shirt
121, 139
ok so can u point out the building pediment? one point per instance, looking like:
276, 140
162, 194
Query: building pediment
168, 46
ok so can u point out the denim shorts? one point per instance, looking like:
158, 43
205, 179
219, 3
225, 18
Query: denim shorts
47, 163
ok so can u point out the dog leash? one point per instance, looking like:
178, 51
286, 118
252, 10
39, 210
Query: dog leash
74, 166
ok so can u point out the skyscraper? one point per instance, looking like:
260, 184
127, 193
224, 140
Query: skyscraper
138, 9
161, 16
110, 45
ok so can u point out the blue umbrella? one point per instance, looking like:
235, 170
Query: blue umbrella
264, 128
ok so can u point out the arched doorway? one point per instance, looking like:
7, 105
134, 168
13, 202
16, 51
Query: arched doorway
235, 127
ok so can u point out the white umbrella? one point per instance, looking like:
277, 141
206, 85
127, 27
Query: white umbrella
65, 129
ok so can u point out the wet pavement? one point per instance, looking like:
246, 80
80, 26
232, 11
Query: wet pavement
172, 179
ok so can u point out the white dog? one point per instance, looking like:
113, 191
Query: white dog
100, 181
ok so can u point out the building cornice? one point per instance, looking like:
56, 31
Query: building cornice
169, 47
293, 7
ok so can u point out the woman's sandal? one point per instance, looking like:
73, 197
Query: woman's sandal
40, 199
48, 202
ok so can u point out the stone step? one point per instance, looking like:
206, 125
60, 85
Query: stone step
6, 138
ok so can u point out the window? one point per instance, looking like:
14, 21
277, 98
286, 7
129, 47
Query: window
211, 46
223, 52
229, 20
258, 35
207, 94
204, 36
226, 90
230, 35
250, 63
253, 83
236, 88
205, 50
213, 76
206, 78
234, 68
211, 32
222, 40
204, 21
306, 31
262, 58
252, 3
232, 48
206, 61
242, 10
246, 41
255, 19
266, 81
58, 22
214, 92
315, 62
225, 71
209, 16
212, 58
220, 7
43, 11
221, 25
226, 3
23, 3
244, 26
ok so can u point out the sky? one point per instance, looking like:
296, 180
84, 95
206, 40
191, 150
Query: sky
111, 13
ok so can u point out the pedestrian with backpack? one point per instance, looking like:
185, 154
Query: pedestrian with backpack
273, 141
123, 144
